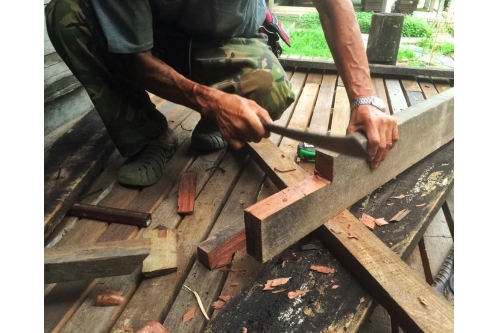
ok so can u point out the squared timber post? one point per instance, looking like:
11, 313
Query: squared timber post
384, 38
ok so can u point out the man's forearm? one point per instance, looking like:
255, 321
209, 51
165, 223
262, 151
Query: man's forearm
343, 36
155, 76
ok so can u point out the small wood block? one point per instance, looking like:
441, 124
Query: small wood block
217, 250
90, 261
153, 327
187, 191
163, 257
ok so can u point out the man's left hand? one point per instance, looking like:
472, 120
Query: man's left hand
381, 130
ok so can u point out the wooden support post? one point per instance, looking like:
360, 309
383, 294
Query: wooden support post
398, 288
271, 228
83, 262
384, 38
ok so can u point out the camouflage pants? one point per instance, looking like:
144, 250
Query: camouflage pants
243, 66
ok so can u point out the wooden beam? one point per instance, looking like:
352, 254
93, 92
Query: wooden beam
187, 191
81, 262
423, 128
374, 68
406, 295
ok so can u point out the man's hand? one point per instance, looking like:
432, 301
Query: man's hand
238, 120
381, 130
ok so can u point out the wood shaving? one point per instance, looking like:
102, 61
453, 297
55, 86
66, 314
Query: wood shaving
401, 196
241, 202
218, 304
225, 298
420, 205
368, 220
390, 203
283, 264
244, 330
399, 216
296, 293
335, 286
322, 269
233, 284
270, 284
189, 314
199, 301
352, 236
127, 329
278, 291
109, 298
423, 301
361, 300
380, 221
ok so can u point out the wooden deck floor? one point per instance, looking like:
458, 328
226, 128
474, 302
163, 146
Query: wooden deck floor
226, 184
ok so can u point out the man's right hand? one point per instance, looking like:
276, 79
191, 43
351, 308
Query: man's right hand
239, 120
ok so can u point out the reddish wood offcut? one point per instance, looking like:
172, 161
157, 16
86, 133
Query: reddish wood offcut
187, 191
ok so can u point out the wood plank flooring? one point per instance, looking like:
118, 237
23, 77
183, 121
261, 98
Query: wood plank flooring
227, 182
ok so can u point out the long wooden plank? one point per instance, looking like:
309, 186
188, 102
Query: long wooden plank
71, 263
395, 95
430, 123
374, 68
341, 111
70, 164
302, 114
417, 306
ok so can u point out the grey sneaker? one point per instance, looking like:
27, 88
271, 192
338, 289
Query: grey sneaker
206, 136
147, 166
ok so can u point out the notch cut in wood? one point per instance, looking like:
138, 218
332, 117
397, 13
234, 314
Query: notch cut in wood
187, 192
90, 261
163, 257
423, 128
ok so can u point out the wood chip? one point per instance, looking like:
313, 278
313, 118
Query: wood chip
322, 269
218, 304
279, 281
233, 284
270, 284
423, 301
401, 196
296, 293
399, 216
335, 286
244, 330
241, 202
127, 329
368, 221
380, 221
278, 291
189, 314
283, 264
362, 299
225, 298
420, 205
390, 203
109, 298
153, 326
350, 235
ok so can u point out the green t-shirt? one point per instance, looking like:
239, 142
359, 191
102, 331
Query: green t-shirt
128, 24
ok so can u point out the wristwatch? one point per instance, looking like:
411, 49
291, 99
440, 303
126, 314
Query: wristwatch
372, 100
